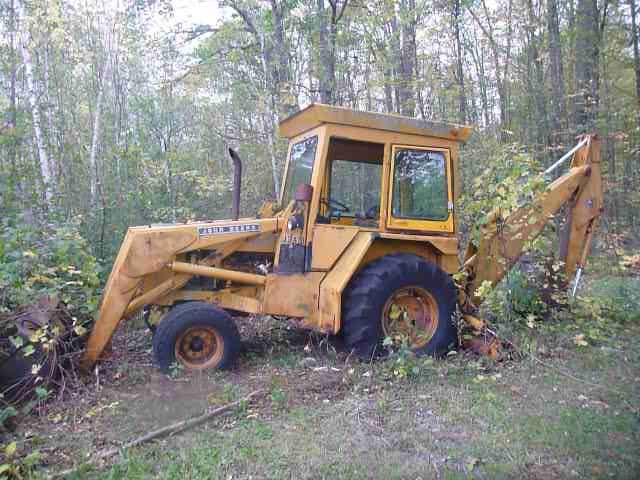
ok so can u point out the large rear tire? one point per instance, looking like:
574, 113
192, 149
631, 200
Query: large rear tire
404, 296
198, 336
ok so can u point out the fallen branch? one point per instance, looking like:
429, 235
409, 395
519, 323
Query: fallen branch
164, 431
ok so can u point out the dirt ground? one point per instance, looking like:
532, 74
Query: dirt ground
570, 412
128, 396
566, 405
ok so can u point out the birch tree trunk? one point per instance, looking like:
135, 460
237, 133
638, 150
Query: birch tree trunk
48, 110
46, 171
13, 120
95, 138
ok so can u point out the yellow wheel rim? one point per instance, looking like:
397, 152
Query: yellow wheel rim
410, 313
199, 347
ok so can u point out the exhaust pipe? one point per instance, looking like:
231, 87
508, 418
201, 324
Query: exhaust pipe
237, 179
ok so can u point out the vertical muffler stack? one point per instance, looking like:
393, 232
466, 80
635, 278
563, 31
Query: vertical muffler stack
237, 183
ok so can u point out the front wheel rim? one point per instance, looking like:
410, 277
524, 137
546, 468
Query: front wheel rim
199, 347
410, 314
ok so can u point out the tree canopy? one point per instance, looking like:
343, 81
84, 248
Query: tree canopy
118, 114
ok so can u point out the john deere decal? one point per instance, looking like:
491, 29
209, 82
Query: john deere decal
220, 229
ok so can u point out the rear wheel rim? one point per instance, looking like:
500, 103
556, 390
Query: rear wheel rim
199, 347
410, 314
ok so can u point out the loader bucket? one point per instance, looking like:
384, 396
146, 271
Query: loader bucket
144, 250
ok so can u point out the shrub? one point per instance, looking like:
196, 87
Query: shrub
39, 260
45, 272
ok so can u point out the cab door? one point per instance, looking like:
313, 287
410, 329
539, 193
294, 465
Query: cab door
421, 189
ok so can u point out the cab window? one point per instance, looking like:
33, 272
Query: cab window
300, 167
357, 185
419, 185
352, 195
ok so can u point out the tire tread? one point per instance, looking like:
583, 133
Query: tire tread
362, 302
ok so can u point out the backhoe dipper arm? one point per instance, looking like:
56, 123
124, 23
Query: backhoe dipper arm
502, 240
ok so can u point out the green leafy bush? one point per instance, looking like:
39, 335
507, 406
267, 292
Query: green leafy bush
41, 264
517, 299
47, 260
507, 180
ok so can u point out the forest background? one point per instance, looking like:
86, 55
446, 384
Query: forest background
115, 113
120, 113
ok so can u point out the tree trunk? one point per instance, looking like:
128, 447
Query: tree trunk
49, 114
539, 112
557, 103
501, 71
609, 143
273, 77
407, 29
462, 98
636, 56
281, 72
324, 66
327, 37
388, 81
95, 138
272, 120
587, 63
13, 123
45, 165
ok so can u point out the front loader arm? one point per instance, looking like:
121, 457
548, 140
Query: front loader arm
502, 240
148, 251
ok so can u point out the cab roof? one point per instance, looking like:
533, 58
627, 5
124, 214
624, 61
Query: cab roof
317, 114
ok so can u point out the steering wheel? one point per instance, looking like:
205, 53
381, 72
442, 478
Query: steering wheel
335, 207
373, 212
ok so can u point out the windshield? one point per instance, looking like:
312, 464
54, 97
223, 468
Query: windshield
301, 160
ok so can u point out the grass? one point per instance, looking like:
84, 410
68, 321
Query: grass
528, 421
564, 411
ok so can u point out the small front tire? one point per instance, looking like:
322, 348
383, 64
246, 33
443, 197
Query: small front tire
198, 336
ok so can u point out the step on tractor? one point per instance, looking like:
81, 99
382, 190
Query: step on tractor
362, 242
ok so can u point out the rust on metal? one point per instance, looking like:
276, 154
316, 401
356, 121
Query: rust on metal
199, 347
412, 314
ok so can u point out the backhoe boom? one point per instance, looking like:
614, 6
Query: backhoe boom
502, 240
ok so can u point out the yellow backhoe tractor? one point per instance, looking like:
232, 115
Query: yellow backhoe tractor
362, 242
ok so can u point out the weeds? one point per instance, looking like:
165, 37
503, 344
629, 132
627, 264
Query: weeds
175, 370
278, 396
402, 362
13, 465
